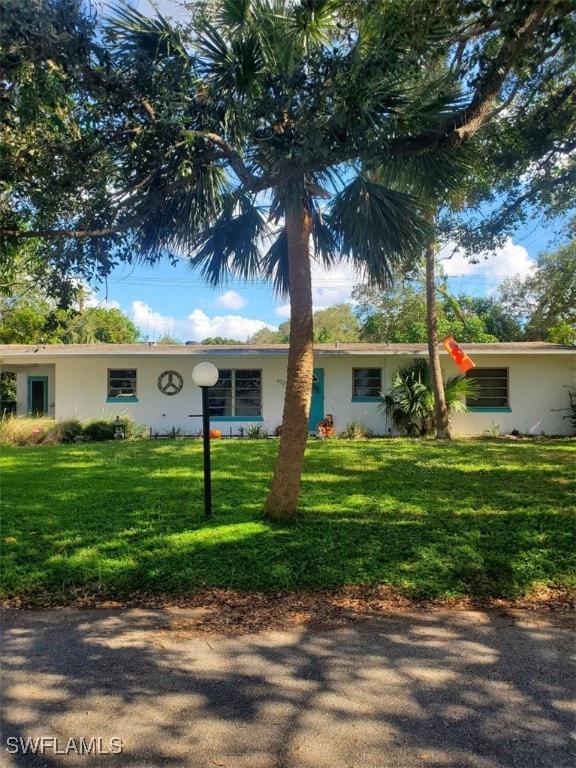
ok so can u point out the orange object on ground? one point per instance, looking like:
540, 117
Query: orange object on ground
326, 426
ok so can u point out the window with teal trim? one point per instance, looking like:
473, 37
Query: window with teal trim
121, 383
493, 388
366, 383
237, 394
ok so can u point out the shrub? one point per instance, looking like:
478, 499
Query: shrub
65, 431
36, 430
256, 432
410, 403
98, 430
25, 430
356, 430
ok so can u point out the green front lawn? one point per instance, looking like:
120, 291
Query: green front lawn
484, 518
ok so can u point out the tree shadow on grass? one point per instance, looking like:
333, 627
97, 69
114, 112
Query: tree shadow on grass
434, 525
469, 689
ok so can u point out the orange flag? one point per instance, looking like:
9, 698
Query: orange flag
458, 355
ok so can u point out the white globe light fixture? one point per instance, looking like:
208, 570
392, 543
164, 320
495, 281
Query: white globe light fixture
205, 375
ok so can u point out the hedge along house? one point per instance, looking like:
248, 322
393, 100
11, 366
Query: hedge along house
523, 386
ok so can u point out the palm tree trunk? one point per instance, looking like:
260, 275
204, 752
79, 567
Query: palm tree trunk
440, 410
282, 501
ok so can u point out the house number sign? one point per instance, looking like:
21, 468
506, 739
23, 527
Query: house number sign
170, 383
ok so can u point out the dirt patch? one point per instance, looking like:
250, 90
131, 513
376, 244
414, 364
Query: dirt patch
233, 612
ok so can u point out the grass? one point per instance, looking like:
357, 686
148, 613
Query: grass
483, 518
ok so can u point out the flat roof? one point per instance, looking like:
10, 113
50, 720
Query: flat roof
38, 351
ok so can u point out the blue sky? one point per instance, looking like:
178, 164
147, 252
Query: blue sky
172, 300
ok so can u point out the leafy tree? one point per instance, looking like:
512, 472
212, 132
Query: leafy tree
167, 339
187, 136
270, 336
398, 315
337, 323
220, 341
526, 163
553, 291
25, 326
543, 303
488, 311
523, 164
55, 167
43, 324
24, 276
98, 325
410, 403
39, 307
7, 388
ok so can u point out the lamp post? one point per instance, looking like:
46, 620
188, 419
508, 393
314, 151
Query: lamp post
205, 375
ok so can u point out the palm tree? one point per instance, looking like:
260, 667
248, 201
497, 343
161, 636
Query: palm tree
262, 148
410, 402
288, 113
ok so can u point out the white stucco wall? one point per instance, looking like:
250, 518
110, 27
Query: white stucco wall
81, 387
537, 389
338, 390
77, 387
538, 393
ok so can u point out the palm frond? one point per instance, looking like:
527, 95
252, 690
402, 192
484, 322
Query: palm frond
176, 221
325, 244
232, 67
314, 23
457, 389
281, 50
232, 246
233, 14
378, 228
410, 402
275, 264
437, 176
139, 36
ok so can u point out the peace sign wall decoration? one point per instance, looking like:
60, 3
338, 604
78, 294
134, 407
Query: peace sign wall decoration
170, 383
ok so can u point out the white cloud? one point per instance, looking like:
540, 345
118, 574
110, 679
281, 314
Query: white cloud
230, 300
197, 326
329, 287
94, 301
333, 286
171, 9
507, 261
91, 298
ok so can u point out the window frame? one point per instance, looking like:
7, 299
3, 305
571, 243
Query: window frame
496, 373
235, 395
355, 385
132, 397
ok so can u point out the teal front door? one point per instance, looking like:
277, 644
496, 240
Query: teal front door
37, 395
317, 405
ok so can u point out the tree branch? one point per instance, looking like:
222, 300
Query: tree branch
149, 204
468, 120
531, 193
251, 182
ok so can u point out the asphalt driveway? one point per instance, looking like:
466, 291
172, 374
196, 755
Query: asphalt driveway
126, 688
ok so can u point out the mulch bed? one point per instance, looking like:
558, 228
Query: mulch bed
235, 613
